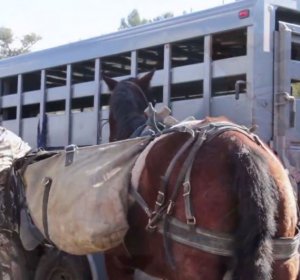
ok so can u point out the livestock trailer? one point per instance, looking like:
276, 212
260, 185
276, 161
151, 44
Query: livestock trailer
240, 60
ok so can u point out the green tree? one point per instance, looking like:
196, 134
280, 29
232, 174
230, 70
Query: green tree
134, 19
11, 46
296, 89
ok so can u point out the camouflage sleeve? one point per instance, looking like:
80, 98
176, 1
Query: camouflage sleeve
11, 147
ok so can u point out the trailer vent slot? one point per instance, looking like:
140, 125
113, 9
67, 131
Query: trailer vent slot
83, 72
226, 85
30, 111
189, 90
188, 52
9, 113
56, 107
83, 104
32, 81
117, 65
229, 44
56, 77
151, 58
9, 85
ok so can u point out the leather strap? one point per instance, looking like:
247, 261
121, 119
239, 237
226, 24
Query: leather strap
47, 182
162, 193
140, 200
223, 244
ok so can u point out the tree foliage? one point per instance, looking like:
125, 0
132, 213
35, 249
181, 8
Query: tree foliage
134, 19
11, 46
296, 89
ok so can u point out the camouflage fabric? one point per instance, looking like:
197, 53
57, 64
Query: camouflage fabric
12, 258
5, 257
7, 201
11, 147
6, 225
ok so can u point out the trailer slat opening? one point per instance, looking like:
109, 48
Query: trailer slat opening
117, 65
229, 44
9, 85
56, 77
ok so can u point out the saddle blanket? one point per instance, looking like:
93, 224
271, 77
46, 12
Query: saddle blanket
79, 198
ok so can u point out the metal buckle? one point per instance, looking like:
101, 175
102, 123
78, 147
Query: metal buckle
160, 199
191, 221
186, 188
70, 154
170, 207
46, 181
150, 227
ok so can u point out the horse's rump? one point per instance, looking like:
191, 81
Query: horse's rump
78, 199
237, 187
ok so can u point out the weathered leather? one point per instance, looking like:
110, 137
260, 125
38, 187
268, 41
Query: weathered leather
88, 199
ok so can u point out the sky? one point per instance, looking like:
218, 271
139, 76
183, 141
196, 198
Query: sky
61, 22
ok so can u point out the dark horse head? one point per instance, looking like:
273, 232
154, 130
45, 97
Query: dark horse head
128, 101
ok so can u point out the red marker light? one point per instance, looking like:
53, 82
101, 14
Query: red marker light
244, 14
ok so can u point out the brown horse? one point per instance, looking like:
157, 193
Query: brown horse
238, 191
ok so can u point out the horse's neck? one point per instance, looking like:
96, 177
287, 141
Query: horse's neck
128, 124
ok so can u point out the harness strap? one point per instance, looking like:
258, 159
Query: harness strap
189, 211
140, 200
223, 244
184, 171
47, 182
216, 243
160, 200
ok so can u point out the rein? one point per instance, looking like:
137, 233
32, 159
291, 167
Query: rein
188, 233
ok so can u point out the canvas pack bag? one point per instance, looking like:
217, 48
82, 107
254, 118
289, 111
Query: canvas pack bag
78, 198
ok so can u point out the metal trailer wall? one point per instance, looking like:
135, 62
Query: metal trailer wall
255, 106
287, 71
70, 127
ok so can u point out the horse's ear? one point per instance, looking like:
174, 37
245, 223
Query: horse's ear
111, 83
144, 82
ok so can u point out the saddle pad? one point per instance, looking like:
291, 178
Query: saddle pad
86, 206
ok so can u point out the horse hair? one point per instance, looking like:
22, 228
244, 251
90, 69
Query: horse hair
258, 199
128, 110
